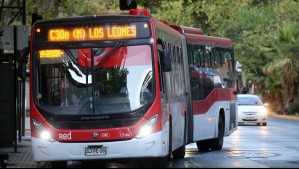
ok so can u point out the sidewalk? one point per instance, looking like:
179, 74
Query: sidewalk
23, 158
289, 117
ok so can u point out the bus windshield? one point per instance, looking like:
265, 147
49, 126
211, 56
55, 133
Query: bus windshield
77, 81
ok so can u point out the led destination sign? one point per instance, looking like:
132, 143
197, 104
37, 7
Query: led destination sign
92, 33
86, 31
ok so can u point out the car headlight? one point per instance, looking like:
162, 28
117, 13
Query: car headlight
147, 129
42, 132
264, 111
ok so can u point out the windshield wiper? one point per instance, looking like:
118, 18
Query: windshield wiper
73, 65
69, 53
106, 57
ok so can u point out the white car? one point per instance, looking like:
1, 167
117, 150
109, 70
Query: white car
251, 110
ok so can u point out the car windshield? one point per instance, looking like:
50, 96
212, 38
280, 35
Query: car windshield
76, 81
252, 101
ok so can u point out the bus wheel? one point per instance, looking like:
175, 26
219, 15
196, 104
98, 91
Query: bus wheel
92, 164
217, 143
180, 152
56, 164
203, 145
160, 162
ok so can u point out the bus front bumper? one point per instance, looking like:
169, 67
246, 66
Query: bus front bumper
151, 146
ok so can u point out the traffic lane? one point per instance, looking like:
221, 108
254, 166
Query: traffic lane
251, 146
275, 145
213, 159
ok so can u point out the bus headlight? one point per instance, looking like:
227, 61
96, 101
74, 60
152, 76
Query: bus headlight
147, 129
42, 132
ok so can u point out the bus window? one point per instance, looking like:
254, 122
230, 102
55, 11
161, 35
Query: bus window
68, 82
217, 59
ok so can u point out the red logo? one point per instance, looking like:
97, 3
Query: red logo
95, 135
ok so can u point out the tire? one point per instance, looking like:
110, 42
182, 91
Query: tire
180, 152
203, 145
264, 124
57, 164
93, 164
160, 162
217, 143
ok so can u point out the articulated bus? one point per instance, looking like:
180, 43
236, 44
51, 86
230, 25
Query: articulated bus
119, 86
209, 68
107, 87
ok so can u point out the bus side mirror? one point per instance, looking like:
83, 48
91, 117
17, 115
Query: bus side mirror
166, 61
164, 56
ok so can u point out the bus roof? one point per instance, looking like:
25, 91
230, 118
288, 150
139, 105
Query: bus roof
209, 40
187, 30
196, 36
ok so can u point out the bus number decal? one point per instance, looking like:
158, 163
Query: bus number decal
59, 34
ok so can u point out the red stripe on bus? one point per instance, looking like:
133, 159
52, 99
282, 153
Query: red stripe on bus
203, 106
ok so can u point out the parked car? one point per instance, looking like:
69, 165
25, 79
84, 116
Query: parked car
251, 110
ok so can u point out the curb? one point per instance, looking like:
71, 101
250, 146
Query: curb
288, 117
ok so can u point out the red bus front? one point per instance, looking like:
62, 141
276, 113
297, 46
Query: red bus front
94, 90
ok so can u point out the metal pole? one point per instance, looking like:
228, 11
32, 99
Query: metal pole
23, 106
24, 13
15, 88
23, 81
19, 93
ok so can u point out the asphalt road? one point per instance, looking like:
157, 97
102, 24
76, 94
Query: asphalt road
273, 146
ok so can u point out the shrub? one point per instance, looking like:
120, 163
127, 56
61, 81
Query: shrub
294, 107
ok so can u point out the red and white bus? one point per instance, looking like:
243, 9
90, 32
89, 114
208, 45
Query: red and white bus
211, 84
107, 87
119, 86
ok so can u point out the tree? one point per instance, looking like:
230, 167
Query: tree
251, 29
64, 8
251, 24
9, 15
285, 64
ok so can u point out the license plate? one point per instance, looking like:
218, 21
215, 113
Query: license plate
95, 151
250, 118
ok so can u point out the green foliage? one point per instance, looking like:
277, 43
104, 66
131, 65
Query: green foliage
294, 107
64, 8
251, 29
285, 62
170, 13
288, 34
288, 11
265, 32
